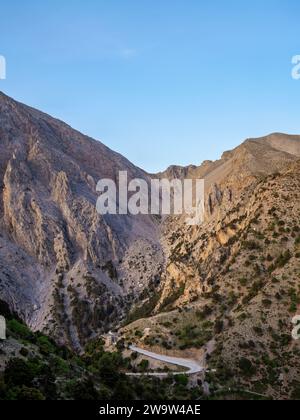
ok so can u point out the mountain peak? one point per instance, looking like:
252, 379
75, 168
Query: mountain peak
285, 143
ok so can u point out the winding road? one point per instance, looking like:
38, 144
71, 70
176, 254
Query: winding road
192, 365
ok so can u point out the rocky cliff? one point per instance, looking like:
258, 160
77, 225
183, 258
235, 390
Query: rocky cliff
63, 267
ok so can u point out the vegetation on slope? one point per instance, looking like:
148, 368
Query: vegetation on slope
33, 367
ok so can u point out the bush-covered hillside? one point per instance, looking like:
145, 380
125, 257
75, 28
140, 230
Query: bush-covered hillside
33, 367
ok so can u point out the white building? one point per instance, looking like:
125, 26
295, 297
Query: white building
111, 338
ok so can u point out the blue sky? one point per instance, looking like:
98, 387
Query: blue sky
162, 81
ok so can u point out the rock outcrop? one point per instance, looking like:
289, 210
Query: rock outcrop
59, 259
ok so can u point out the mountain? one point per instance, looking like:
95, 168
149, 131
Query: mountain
64, 268
225, 291
231, 286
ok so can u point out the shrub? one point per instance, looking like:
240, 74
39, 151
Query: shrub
24, 352
267, 303
144, 365
219, 325
20, 330
206, 311
281, 261
258, 331
251, 245
29, 394
82, 390
182, 380
295, 395
45, 345
297, 240
243, 281
246, 367
18, 373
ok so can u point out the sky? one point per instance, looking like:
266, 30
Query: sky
162, 82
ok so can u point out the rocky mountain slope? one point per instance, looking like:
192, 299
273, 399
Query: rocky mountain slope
231, 286
228, 288
63, 267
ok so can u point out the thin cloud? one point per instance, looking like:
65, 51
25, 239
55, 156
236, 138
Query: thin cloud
127, 53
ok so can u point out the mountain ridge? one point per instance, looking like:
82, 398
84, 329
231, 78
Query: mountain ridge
74, 274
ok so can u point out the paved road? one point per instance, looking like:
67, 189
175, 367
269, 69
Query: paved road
192, 365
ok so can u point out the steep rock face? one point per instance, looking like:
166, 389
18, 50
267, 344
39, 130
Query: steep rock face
199, 252
49, 223
231, 289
